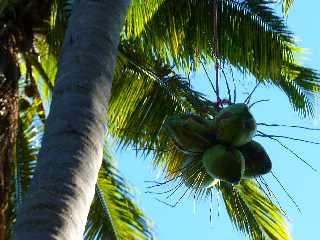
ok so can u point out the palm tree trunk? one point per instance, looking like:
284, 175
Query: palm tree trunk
8, 129
9, 76
63, 187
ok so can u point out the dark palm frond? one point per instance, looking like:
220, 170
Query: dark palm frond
4, 6
252, 212
60, 12
304, 78
7, 6
251, 37
26, 156
114, 214
30, 128
300, 98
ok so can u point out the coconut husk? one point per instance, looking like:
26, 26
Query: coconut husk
190, 134
235, 125
225, 163
257, 161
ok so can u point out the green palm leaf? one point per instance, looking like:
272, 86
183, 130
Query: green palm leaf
60, 12
114, 214
25, 158
286, 5
301, 99
145, 92
252, 212
42, 73
251, 37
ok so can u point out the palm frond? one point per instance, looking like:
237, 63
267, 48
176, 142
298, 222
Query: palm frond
60, 12
252, 212
26, 156
286, 5
33, 59
3, 6
251, 37
44, 70
30, 129
6, 5
141, 12
114, 214
145, 92
300, 98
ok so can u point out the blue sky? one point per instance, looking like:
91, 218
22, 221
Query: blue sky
190, 221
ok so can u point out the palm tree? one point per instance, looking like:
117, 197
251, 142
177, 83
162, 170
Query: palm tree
81, 39
240, 64
15, 14
44, 44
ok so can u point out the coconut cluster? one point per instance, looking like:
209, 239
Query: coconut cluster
219, 148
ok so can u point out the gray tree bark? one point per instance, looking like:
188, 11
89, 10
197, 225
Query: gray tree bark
61, 192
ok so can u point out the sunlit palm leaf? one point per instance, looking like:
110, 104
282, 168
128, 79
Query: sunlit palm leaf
141, 12
145, 92
286, 5
34, 61
252, 212
251, 37
114, 214
40, 74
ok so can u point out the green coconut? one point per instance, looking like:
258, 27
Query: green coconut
191, 134
224, 163
193, 173
235, 125
257, 161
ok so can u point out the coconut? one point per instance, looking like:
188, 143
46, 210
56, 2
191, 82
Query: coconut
191, 134
224, 163
193, 173
257, 161
235, 125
